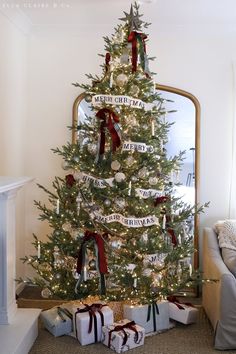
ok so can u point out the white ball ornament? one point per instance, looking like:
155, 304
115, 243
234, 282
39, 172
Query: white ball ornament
124, 59
153, 181
92, 149
107, 202
120, 202
88, 98
65, 165
134, 90
130, 160
143, 172
121, 80
115, 165
119, 177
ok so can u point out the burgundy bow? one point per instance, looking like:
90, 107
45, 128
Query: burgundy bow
91, 309
129, 325
174, 300
160, 200
70, 181
109, 118
107, 61
102, 262
133, 38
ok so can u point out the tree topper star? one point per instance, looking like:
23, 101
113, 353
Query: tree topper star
133, 19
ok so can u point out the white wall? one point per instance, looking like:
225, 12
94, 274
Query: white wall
13, 82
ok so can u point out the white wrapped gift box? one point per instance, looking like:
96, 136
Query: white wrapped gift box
122, 339
57, 321
183, 313
153, 317
88, 321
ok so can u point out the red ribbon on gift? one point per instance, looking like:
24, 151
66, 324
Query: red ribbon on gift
134, 37
130, 325
109, 121
91, 309
174, 300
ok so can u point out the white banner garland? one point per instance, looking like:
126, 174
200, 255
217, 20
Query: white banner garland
147, 193
129, 222
98, 182
133, 146
97, 100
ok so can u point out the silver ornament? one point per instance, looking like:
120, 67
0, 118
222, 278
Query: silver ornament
92, 264
124, 59
153, 181
143, 172
65, 165
119, 177
76, 159
107, 202
134, 90
121, 80
134, 179
88, 98
46, 293
130, 160
57, 275
120, 202
115, 165
116, 244
92, 149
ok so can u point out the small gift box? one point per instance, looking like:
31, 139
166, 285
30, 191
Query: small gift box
185, 313
123, 335
153, 317
89, 320
57, 321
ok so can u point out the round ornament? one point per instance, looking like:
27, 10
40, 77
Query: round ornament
143, 172
120, 202
124, 59
65, 165
116, 244
46, 293
92, 264
119, 177
78, 176
115, 165
75, 274
76, 159
153, 181
88, 98
57, 275
130, 160
134, 178
107, 202
121, 80
116, 47
147, 272
92, 149
134, 90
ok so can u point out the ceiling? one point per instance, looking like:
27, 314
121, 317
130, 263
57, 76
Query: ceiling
216, 13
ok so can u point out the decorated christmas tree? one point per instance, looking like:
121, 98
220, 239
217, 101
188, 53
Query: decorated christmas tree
118, 229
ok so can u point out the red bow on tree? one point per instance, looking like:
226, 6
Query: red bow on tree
70, 181
137, 40
109, 121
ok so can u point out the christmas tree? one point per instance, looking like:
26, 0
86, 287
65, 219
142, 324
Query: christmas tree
118, 229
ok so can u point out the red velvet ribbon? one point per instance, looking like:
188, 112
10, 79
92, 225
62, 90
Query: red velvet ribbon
129, 325
107, 61
91, 309
70, 181
133, 39
174, 300
108, 118
160, 200
102, 262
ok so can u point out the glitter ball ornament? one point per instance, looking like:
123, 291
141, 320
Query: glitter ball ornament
134, 179
143, 172
115, 165
92, 149
119, 177
88, 98
46, 293
121, 80
153, 181
130, 161
120, 202
134, 90
65, 165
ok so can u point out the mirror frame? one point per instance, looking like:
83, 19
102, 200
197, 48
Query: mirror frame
197, 150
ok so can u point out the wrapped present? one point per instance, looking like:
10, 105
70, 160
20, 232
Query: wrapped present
185, 313
57, 321
153, 317
123, 335
89, 320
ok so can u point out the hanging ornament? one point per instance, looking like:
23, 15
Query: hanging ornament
153, 181
46, 293
115, 165
88, 98
56, 256
152, 127
134, 90
130, 161
120, 202
92, 264
79, 200
111, 80
92, 149
107, 202
57, 275
119, 177
144, 237
66, 227
116, 47
70, 180
134, 179
121, 80
124, 59
65, 165
129, 188
116, 244
143, 172
164, 222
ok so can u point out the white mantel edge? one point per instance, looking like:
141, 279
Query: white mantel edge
11, 183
